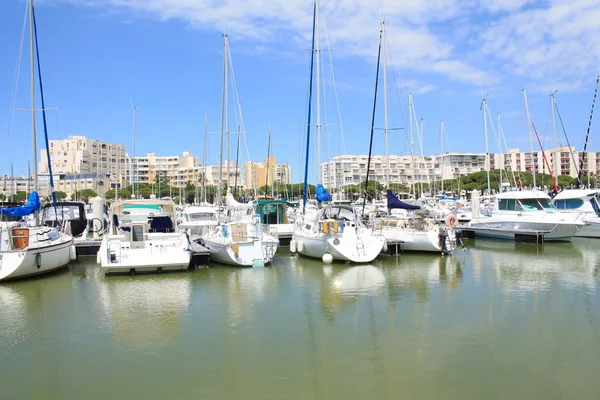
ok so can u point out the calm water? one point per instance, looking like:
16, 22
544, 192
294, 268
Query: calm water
499, 321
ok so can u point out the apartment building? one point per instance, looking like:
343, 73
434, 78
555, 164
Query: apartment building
229, 168
179, 170
258, 174
79, 155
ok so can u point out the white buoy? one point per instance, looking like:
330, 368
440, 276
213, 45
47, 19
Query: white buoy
98, 259
73, 253
327, 258
293, 246
300, 246
98, 215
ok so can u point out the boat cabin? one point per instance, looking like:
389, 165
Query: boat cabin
71, 211
524, 201
578, 200
272, 212
140, 217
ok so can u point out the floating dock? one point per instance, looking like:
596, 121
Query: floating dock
523, 236
200, 254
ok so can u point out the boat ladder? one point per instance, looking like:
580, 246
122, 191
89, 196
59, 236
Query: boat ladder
360, 246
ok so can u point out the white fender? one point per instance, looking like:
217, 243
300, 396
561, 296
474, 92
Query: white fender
300, 246
293, 246
72, 252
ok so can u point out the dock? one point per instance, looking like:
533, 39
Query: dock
523, 236
87, 247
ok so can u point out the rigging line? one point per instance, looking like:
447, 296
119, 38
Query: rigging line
335, 92
502, 139
372, 122
566, 137
587, 135
544, 156
44, 119
394, 73
310, 85
15, 86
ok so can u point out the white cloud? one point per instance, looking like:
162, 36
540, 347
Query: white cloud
479, 42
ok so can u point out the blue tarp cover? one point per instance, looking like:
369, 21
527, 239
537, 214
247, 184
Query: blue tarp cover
394, 202
322, 194
33, 204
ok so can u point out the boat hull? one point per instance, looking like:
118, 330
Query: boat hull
414, 240
251, 253
341, 247
18, 264
506, 230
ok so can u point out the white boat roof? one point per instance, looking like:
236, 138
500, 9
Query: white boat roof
523, 194
168, 206
576, 194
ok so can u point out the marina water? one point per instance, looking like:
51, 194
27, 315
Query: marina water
498, 321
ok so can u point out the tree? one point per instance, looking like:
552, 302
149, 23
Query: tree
85, 194
60, 195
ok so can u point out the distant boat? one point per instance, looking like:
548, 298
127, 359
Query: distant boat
584, 204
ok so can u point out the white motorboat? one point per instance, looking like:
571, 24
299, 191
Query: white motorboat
240, 238
198, 220
142, 237
526, 213
583, 202
336, 233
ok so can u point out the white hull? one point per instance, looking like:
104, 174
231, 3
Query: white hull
245, 254
414, 240
36, 259
342, 247
503, 229
161, 252
592, 230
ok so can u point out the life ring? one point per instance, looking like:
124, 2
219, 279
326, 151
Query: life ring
459, 205
451, 220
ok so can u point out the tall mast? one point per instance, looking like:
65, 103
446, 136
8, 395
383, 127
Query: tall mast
442, 146
223, 107
385, 107
226, 103
554, 158
412, 143
485, 137
203, 195
133, 179
500, 151
422, 154
533, 166
32, 79
318, 105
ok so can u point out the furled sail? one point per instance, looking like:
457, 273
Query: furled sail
33, 204
322, 194
394, 202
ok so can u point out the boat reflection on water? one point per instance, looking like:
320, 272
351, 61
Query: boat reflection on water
525, 267
13, 311
246, 287
144, 311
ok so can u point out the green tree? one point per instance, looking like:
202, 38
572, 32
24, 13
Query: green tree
60, 195
85, 194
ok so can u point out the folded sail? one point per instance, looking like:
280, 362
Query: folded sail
33, 204
394, 202
322, 194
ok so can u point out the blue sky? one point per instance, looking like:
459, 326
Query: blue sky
167, 56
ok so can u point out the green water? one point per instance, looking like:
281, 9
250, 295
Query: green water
500, 321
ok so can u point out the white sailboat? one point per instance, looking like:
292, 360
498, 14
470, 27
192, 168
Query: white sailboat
237, 238
334, 232
32, 249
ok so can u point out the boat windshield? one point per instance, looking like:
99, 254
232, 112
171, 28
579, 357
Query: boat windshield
595, 200
536, 204
65, 212
201, 217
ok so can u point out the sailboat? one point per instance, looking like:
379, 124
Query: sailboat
333, 232
32, 249
414, 231
237, 238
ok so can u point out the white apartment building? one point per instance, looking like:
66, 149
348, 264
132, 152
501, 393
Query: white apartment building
79, 155
352, 169
178, 169
235, 175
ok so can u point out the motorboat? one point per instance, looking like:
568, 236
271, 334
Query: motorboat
274, 215
525, 213
142, 237
197, 220
336, 232
584, 203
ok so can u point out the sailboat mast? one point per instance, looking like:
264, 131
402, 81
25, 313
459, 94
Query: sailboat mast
385, 106
412, 143
32, 80
318, 105
203, 194
500, 151
554, 158
530, 137
310, 86
442, 146
223, 107
485, 138
422, 154
226, 103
